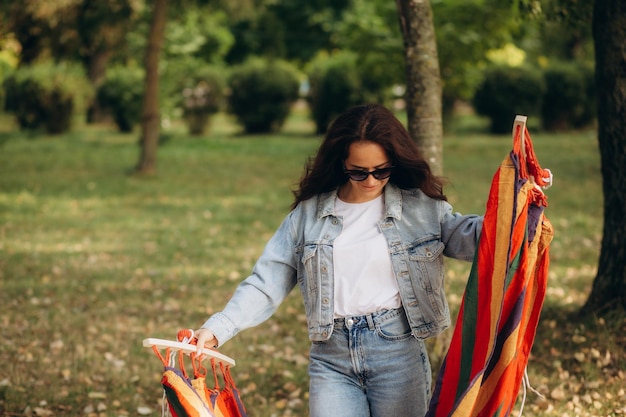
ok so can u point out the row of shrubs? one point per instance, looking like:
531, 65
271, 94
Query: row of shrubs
260, 92
562, 95
46, 96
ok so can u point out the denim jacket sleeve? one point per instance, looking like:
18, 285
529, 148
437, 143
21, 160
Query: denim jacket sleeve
460, 233
258, 296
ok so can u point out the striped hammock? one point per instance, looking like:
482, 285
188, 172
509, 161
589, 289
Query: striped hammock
483, 370
191, 397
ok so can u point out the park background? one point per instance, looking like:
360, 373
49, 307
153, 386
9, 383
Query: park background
95, 257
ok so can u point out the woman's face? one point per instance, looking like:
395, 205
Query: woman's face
364, 156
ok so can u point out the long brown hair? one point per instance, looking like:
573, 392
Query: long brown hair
373, 123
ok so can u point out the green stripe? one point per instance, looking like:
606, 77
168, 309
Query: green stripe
468, 334
513, 266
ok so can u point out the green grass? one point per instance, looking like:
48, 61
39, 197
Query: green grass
93, 260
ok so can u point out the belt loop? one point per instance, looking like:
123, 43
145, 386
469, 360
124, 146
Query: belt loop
370, 322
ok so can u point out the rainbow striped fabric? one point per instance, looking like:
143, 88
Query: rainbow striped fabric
190, 397
483, 370
182, 398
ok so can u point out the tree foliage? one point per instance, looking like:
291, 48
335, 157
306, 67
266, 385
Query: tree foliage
466, 30
370, 30
66, 30
292, 30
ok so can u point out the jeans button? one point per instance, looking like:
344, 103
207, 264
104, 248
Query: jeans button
350, 322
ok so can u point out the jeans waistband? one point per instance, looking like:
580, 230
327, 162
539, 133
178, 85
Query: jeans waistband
370, 320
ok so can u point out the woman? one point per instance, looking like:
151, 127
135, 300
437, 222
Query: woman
364, 242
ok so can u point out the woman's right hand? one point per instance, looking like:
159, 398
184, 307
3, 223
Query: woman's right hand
206, 338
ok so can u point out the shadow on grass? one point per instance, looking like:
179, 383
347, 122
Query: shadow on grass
5, 137
568, 340
20, 134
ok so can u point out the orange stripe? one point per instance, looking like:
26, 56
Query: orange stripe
187, 396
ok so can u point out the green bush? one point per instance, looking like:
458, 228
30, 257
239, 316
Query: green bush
569, 100
46, 95
21, 98
335, 85
121, 93
506, 92
201, 95
262, 92
5, 70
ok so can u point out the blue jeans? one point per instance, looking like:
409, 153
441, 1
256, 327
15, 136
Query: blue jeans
370, 367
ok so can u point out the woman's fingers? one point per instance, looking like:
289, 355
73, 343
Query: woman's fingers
206, 339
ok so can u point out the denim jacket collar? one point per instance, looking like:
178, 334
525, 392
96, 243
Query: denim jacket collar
393, 203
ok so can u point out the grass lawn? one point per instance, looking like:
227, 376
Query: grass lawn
93, 260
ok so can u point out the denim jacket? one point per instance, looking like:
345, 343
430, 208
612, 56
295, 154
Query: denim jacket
419, 232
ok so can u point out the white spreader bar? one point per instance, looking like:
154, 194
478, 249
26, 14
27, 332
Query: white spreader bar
188, 348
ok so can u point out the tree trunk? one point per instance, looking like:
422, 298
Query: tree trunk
609, 31
96, 65
423, 90
423, 107
150, 123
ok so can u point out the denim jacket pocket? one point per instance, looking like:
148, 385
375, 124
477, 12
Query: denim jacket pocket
308, 263
306, 276
427, 276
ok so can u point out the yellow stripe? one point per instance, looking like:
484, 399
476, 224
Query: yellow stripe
187, 396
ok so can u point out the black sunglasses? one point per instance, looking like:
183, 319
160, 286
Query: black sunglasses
360, 175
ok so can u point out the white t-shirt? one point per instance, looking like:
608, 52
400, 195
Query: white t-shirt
364, 278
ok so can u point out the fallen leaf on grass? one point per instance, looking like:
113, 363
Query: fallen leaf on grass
42, 412
144, 411
281, 404
57, 345
557, 394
